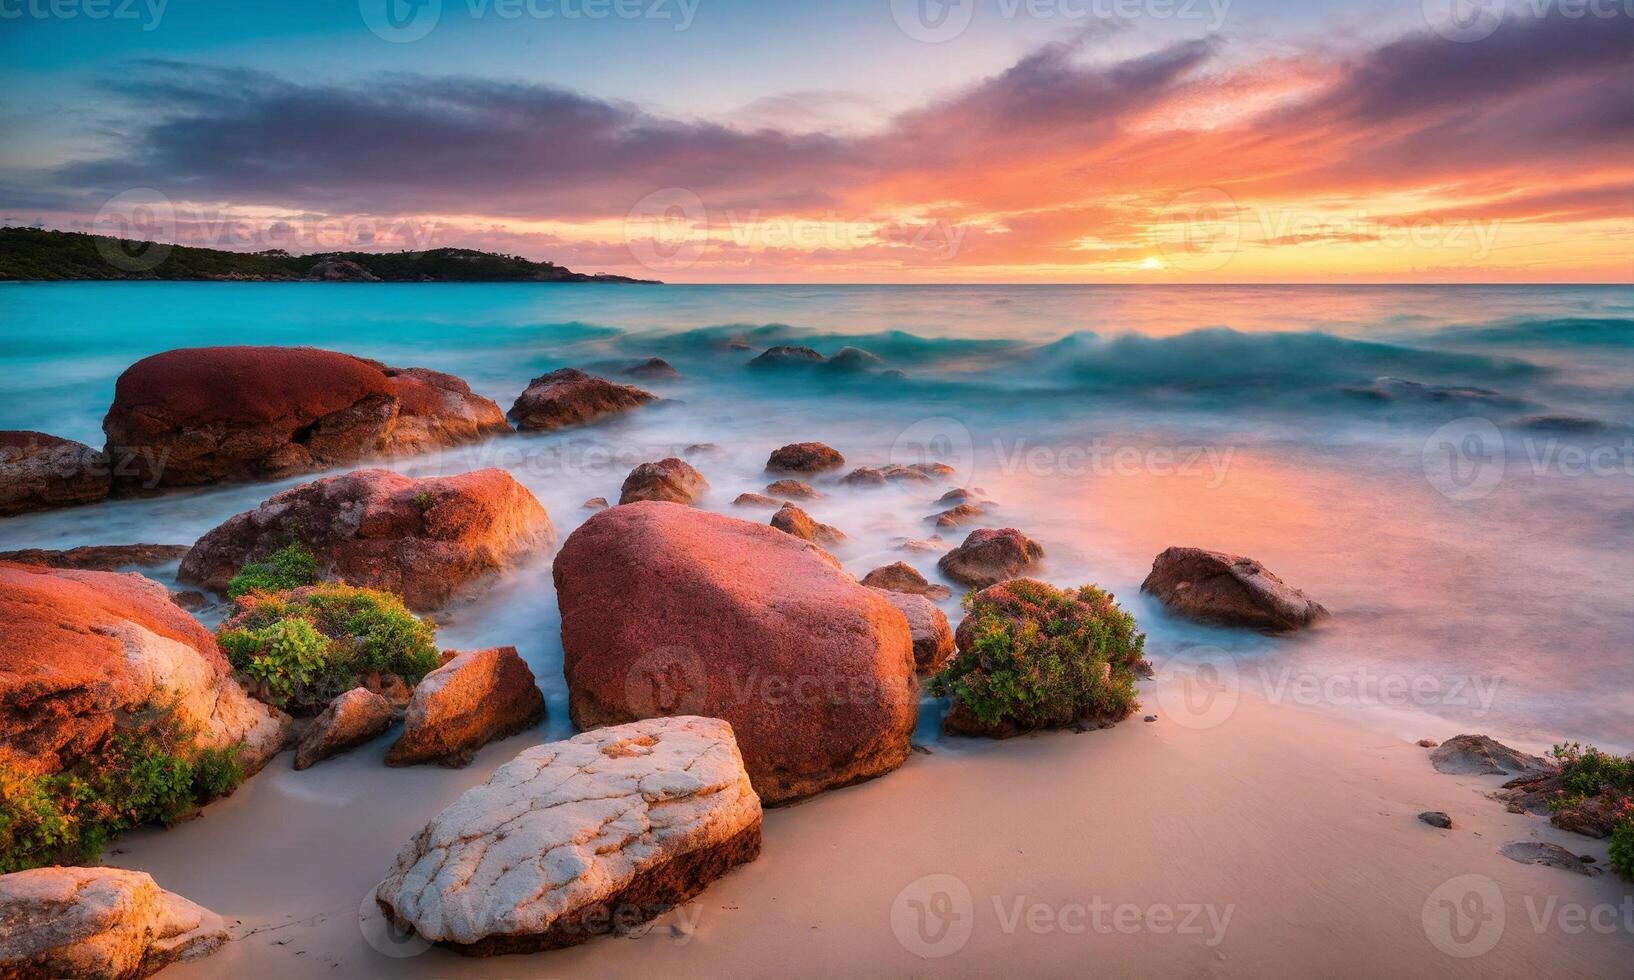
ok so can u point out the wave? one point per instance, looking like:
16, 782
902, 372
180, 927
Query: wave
1573, 331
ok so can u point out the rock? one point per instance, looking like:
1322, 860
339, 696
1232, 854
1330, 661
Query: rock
596, 503
868, 476
930, 545
340, 270
202, 415
702, 449
928, 625
1596, 816
571, 839
350, 720
1150, 718
989, 556
99, 558
1225, 590
1549, 855
190, 600
785, 357
437, 410
426, 540
804, 457
474, 699
903, 577
1427, 743
1478, 755
40, 472
98, 922
83, 649
793, 490
960, 495
792, 520
1436, 818
958, 516
756, 500
653, 369
864, 476
569, 397
853, 359
669, 610
670, 479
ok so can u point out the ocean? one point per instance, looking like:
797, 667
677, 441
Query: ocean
1450, 470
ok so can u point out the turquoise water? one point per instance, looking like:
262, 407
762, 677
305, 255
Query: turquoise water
1469, 518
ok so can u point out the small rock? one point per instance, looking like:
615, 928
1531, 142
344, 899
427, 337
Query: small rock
474, 699
1227, 590
932, 635
1151, 718
784, 357
1550, 855
988, 557
1436, 818
99, 558
756, 500
1427, 743
903, 577
653, 369
1478, 755
792, 520
596, 503
350, 720
672, 480
854, 359
570, 397
864, 476
958, 516
793, 490
804, 457
932, 544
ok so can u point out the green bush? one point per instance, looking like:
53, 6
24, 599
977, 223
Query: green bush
34, 825
1622, 843
288, 568
304, 647
1041, 657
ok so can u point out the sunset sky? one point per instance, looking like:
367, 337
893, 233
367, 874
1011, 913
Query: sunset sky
848, 141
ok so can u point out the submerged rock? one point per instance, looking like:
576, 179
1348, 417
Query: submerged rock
426, 540
756, 500
792, 520
669, 610
793, 490
903, 577
785, 357
671, 479
98, 557
1227, 590
653, 369
988, 557
355, 717
959, 516
572, 839
854, 359
570, 397
98, 922
804, 457
84, 650
1478, 755
474, 699
41, 472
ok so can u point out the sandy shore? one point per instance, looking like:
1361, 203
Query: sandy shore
1279, 843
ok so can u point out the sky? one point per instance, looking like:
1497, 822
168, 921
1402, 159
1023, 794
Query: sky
918, 141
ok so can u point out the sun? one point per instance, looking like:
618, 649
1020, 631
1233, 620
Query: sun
1151, 264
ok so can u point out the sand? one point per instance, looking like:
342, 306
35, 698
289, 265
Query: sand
1281, 842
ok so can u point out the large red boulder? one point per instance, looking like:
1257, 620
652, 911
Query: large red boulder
1227, 590
39, 472
427, 540
437, 410
83, 648
569, 397
667, 610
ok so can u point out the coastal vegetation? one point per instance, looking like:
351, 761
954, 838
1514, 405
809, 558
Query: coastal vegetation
1588, 772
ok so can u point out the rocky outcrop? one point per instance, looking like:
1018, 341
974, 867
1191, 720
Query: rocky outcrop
928, 625
1548, 855
869, 476
990, 556
1544, 793
786, 357
98, 557
903, 577
355, 717
793, 490
804, 457
959, 516
792, 520
569, 397
475, 698
571, 839
653, 369
104, 923
41, 472
1226, 590
757, 500
426, 540
340, 270
436, 410
83, 649
673, 480
1478, 755
668, 610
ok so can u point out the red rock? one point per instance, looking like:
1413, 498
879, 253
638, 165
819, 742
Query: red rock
793, 490
474, 699
864, 476
792, 520
989, 557
569, 397
667, 610
426, 540
40, 472
653, 369
83, 648
670, 479
437, 410
756, 500
804, 457
959, 516
1226, 590
928, 625
98, 557
350, 720
903, 577
596, 503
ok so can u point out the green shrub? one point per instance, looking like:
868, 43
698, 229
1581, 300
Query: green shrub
288, 568
1622, 843
34, 827
304, 647
1589, 772
217, 772
1042, 657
